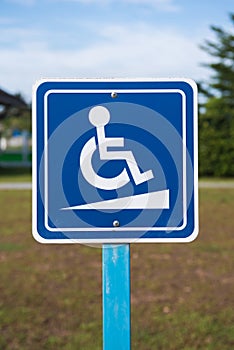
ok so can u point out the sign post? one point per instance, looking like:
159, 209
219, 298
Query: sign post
114, 163
116, 297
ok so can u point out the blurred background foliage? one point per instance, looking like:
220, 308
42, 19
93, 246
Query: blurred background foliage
216, 117
17, 118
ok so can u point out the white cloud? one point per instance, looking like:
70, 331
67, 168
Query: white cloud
139, 51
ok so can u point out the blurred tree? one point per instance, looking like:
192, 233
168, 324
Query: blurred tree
17, 118
216, 120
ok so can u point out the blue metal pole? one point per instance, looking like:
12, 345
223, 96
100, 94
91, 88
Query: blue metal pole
116, 297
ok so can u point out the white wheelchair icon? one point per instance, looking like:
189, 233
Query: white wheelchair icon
99, 117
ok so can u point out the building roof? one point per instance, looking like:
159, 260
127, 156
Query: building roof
8, 100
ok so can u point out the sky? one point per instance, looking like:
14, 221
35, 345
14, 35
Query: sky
105, 39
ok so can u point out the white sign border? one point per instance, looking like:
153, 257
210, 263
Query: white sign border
191, 237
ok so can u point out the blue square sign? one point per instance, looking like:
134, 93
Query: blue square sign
115, 161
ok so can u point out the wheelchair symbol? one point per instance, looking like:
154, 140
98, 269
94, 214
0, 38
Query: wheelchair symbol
99, 117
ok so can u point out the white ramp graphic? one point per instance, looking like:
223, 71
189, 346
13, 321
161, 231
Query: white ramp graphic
153, 200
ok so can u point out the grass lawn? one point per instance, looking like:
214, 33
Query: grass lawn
182, 294
217, 179
15, 174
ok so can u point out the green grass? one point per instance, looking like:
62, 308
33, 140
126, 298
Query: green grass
13, 157
182, 294
217, 179
15, 174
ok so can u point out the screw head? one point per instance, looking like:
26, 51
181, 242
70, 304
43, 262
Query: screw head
116, 223
114, 94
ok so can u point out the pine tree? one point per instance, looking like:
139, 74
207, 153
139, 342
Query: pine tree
216, 121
